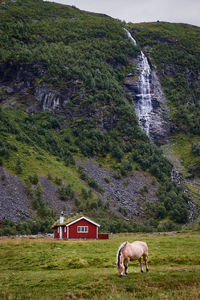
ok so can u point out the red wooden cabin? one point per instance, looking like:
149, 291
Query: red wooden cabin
77, 228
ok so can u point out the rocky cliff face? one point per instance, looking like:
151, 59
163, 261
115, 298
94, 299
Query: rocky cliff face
19, 87
159, 128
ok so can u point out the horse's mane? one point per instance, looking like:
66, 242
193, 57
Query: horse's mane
119, 253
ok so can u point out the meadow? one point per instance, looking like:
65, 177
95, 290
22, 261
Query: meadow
43, 268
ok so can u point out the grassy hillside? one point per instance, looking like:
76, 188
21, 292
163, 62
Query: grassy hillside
46, 269
174, 52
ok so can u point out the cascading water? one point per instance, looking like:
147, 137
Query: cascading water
143, 105
130, 37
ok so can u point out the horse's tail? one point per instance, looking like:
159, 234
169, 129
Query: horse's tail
119, 253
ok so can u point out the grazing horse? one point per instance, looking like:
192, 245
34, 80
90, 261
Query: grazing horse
127, 252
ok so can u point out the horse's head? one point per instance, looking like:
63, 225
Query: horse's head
120, 268
120, 259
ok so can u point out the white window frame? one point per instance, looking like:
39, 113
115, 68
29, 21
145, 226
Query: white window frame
82, 229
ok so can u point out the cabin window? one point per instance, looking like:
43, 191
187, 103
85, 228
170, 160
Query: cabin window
82, 229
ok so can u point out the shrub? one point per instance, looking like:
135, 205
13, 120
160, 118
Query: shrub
58, 180
117, 152
82, 173
65, 192
196, 149
107, 179
93, 183
18, 166
3, 177
93, 205
84, 193
33, 179
100, 202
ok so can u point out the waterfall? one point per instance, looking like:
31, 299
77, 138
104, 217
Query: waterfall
130, 37
143, 105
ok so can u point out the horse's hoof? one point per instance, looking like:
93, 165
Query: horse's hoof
142, 271
120, 275
147, 270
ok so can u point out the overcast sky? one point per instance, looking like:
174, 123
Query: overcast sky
179, 11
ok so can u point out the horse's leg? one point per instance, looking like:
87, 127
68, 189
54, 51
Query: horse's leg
141, 267
126, 266
122, 266
145, 257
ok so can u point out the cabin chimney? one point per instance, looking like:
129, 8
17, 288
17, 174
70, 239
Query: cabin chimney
61, 217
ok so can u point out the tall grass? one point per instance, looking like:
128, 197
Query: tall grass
49, 269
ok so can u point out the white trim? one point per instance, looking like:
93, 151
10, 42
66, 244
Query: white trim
81, 218
97, 232
82, 229
61, 235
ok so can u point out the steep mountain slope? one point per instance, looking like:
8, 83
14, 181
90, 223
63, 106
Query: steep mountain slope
68, 126
174, 51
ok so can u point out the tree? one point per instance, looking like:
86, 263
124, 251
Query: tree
18, 166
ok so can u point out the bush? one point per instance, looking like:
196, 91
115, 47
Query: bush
58, 180
34, 179
28, 227
173, 202
82, 173
93, 183
117, 152
168, 226
18, 166
107, 179
150, 157
196, 149
65, 192
94, 205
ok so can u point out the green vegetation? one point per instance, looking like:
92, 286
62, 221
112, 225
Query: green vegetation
66, 192
86, 57
30, 227
47, 269
175, 49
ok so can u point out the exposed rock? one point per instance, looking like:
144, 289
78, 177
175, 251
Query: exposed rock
48, 100
14, 203
177, 177
124, 192
50, 196
160, 127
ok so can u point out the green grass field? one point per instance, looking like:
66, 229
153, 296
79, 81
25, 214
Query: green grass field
48, 269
